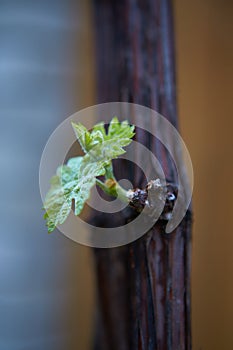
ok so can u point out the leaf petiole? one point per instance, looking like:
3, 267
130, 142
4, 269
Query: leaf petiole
114, 189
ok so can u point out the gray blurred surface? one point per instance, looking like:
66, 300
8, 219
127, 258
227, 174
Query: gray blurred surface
41, 72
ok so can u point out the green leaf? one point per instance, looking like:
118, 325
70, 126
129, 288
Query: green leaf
106, 151
73, 182
85, 181
119, 134
70, 183
100, 128
57, 206
74, 163
120, 131
109, 146
83, 136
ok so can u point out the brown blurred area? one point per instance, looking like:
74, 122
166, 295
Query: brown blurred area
204, 53
204, 84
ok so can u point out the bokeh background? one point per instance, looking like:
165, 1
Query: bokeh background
47, 70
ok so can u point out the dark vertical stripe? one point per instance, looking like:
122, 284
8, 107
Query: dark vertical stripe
135, 63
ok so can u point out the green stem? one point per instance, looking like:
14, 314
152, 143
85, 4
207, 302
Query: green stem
105, 188
109, 172
121, 193
115, 191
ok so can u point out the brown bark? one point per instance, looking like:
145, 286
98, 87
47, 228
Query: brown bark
144, 287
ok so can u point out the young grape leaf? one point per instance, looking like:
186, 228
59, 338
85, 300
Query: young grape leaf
73, 182
84, 137
119, 135
119, 130
70, 183
57, 206
99, 128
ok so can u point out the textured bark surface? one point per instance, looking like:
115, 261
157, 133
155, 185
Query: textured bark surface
144, 287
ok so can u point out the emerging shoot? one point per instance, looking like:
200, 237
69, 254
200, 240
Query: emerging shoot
73, 181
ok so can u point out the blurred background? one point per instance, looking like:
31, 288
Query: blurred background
47, 73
